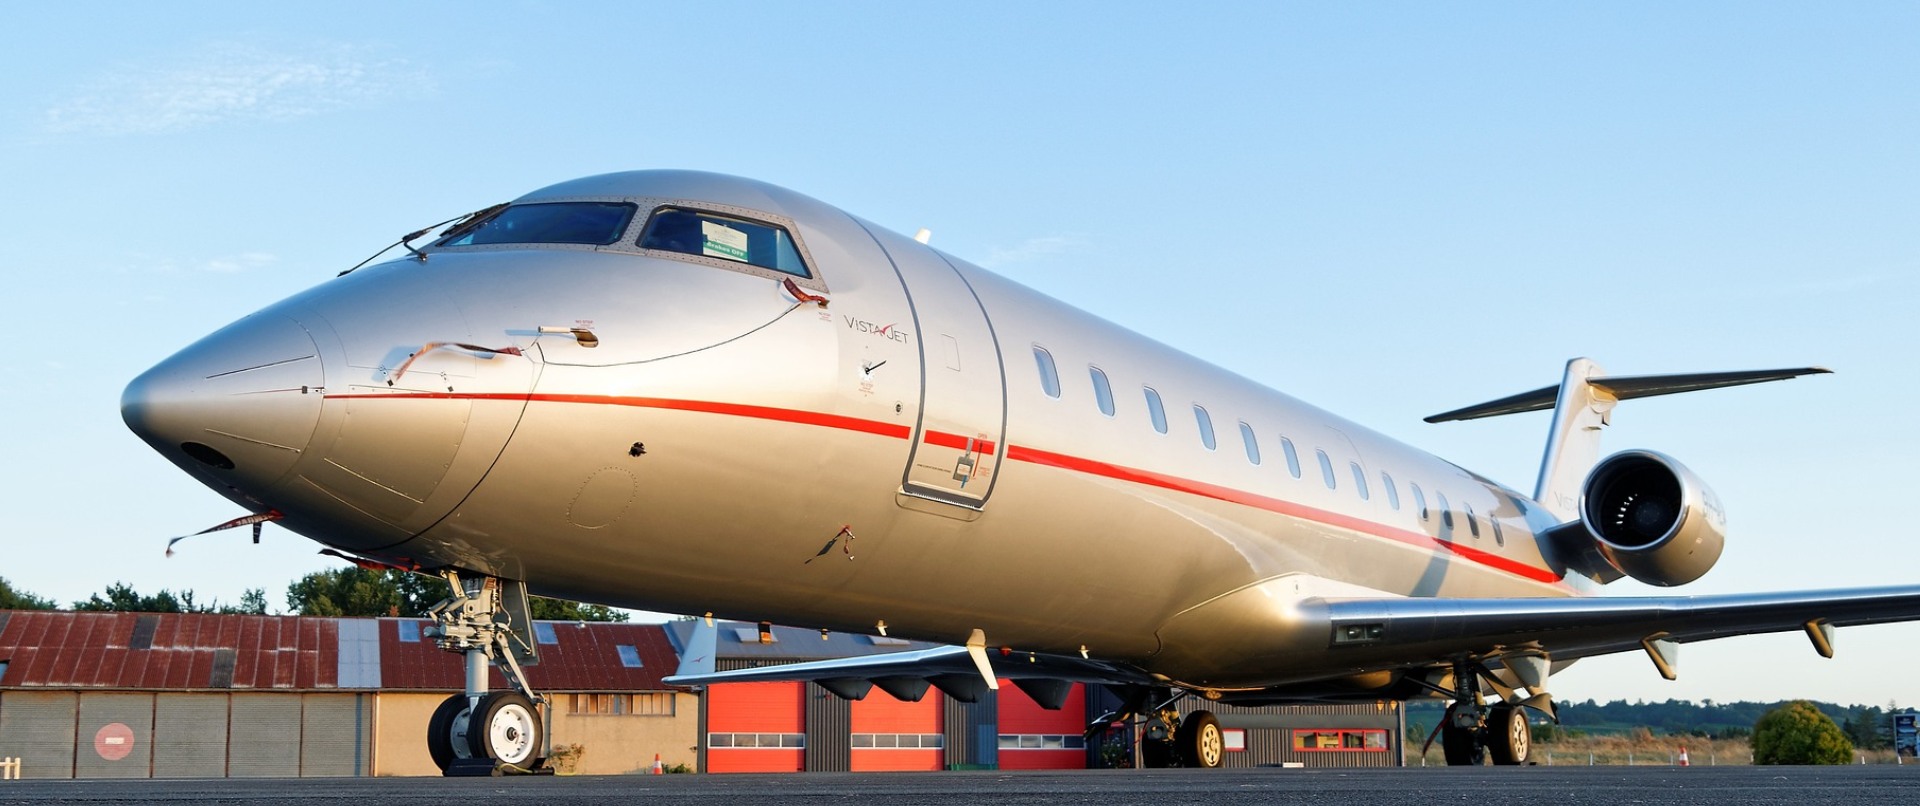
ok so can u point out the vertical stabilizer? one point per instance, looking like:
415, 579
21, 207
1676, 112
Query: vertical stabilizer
1573, 441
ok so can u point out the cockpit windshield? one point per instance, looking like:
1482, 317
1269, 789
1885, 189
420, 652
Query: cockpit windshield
710, 235
590, 223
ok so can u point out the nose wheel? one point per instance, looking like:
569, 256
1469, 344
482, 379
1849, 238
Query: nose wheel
505, 728
447, 732
478, 732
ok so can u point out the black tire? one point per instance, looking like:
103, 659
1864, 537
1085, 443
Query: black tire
1462, 747
1201, 743
1156, 754
1509, 735
506, 728
447, 732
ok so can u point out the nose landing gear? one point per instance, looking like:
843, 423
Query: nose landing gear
478, 732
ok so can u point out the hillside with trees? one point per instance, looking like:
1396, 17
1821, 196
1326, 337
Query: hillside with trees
1621, 732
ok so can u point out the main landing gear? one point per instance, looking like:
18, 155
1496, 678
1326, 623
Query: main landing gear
1170, 740
1472, 731
478, 732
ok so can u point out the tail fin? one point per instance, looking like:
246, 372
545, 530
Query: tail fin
1582, 404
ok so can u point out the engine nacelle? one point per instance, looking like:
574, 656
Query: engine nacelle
1646, 516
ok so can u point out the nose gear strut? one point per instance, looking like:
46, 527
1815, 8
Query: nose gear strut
487, 620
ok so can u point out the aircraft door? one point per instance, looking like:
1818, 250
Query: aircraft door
957, 444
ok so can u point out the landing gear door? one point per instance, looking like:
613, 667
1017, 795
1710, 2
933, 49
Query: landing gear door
957, 443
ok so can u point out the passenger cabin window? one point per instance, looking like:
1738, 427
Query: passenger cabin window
1446, 513
1498, 538
1293, 457
1393, 495
711, 235
1049, 375
587, 223
1326, 468
1473, 524
1252, 443
1102, 390
1206, 426
1419, 499
1156, 409
1359, 480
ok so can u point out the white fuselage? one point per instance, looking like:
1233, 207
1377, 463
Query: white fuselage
722, 430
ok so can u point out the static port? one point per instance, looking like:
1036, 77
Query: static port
206, 455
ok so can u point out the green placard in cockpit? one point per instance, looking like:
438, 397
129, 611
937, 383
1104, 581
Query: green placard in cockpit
722, 241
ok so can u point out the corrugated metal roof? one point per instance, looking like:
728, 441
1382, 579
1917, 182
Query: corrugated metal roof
586, 657
198, 651
172, 651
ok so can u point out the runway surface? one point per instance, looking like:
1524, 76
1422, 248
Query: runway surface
1597, 785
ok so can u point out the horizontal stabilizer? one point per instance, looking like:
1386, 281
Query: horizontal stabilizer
1625, 387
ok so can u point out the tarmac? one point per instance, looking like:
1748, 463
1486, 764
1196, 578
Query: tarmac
1363, 787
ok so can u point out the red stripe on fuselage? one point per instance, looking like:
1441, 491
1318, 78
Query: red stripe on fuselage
1020, 453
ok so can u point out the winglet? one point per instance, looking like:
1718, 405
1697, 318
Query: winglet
977, 649
698, 655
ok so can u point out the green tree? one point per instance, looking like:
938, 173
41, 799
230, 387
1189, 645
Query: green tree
13, 599
122, 598
253, 602
562, 610
360, 591
1798, 733
357, 591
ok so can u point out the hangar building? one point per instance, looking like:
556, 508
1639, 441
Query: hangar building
788, 727
98, 695
113, 695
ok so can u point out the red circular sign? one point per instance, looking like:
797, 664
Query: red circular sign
114, 741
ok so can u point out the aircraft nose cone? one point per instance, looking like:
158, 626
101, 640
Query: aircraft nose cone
236, 408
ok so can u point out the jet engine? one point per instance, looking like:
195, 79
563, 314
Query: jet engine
1646, 516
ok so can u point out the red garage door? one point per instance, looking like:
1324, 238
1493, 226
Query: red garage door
755, 727
1034, 738
892, 735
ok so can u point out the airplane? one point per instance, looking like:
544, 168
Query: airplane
687, 392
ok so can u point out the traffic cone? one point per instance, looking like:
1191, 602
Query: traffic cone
1683, 758
659, 770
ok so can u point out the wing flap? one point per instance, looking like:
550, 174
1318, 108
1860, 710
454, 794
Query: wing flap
1410, 632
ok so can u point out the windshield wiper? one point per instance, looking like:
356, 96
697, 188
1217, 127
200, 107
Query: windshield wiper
467, 223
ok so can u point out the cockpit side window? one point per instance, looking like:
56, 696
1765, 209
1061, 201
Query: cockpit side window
711, 235
586, 223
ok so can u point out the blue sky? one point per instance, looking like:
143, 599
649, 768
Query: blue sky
1388, 209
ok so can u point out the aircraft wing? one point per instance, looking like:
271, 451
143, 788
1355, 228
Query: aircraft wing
1409, 632
945, 660
906, 675
1398, 634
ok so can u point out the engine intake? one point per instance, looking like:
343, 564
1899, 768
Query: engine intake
1644, 515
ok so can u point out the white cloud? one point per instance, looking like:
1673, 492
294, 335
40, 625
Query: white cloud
231, 82
1031, 249
236, 264
140, 263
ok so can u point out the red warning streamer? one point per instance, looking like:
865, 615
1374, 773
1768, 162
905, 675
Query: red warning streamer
255, 521
435, 345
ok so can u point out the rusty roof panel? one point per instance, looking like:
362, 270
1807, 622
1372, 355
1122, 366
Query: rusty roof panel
199, 651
